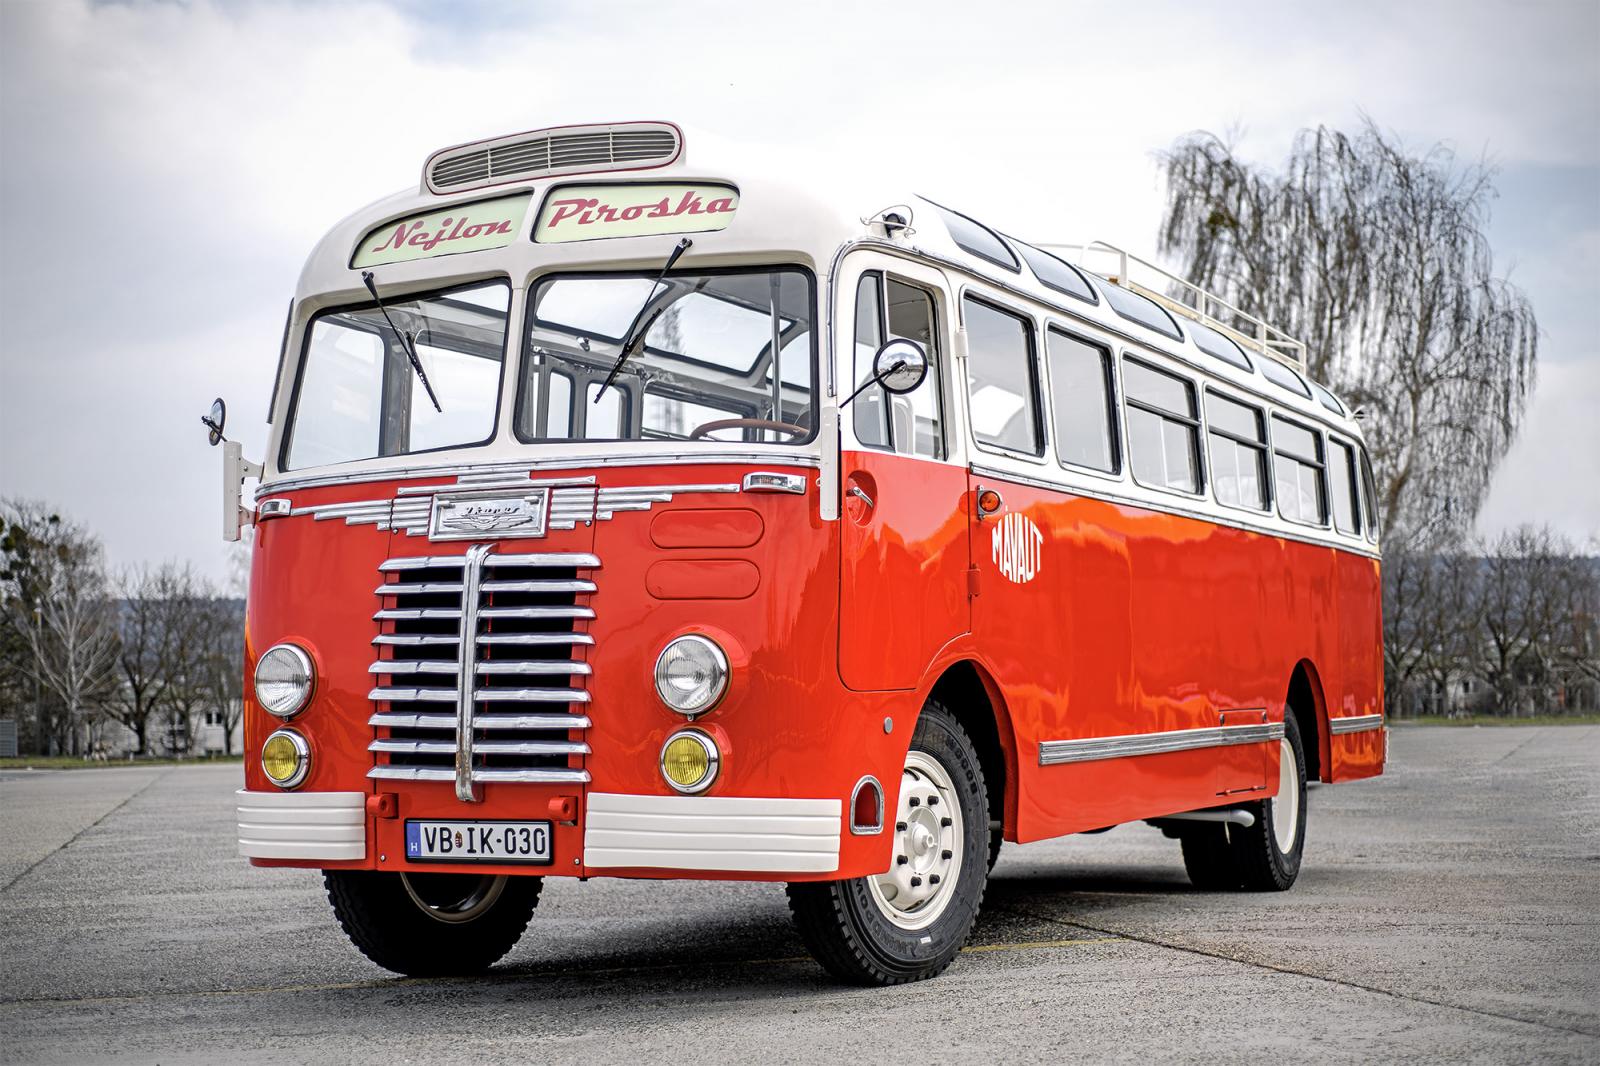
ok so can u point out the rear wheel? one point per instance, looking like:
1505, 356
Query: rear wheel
908, 923
426, 925
1264, 857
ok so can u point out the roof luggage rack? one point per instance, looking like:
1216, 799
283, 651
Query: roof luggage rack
1117, 266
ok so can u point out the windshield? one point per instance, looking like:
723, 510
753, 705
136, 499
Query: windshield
727, 356
359, 398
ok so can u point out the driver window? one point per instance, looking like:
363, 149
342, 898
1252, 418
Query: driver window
912, 424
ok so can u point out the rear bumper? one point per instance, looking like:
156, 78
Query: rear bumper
303, 825
712, 833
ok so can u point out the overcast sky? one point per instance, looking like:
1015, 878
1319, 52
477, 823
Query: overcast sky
166, 167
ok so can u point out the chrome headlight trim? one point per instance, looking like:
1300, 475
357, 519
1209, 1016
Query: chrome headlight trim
713, 761
301, 660
719, 668
301, 747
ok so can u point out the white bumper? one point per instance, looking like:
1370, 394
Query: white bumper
712, 833
302, 825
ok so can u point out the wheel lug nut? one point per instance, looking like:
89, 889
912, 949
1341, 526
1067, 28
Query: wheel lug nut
946, 854
932, 800
900, 860
946, 823
914, 802
899, 827
933, 879
916, 882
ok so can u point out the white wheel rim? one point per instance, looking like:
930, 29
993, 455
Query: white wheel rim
1286, 804
928, 835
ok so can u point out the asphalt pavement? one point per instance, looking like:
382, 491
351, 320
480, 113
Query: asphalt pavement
1448, 911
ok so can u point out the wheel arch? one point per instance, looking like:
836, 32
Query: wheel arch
1307, 702
970, 693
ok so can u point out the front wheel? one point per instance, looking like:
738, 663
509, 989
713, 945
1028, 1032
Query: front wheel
909, 922
431, 925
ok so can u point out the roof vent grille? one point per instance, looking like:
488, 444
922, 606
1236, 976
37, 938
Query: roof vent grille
542, 153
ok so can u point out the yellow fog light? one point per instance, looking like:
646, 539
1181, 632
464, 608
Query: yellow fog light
286, 758
689, 761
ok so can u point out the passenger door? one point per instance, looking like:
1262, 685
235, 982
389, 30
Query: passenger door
903, 525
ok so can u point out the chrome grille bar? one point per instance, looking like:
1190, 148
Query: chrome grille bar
462, 648
471, 573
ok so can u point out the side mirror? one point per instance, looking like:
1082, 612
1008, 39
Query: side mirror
900, 366
215, 421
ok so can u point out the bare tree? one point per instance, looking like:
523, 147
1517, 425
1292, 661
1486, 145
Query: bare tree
1378, 259
150, 658
56, 604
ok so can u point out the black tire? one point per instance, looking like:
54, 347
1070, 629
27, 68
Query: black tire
1224, 858
1264, 866
846, 929
1208, 857
393, 929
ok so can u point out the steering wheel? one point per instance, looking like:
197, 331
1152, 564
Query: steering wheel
705, 430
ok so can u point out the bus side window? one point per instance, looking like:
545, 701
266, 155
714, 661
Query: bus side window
1001, 383
871, 407
912, 424
1369, 493
1342, 486
1163, 427
1083, 411
1300, 472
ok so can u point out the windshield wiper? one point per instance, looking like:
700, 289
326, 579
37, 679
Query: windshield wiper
629, 342
408, 343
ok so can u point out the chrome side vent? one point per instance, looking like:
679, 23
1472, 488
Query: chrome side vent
482, 668
542, 153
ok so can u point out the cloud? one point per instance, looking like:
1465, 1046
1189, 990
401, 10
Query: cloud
169, 166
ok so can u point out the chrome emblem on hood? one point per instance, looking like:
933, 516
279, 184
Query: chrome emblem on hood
520, 514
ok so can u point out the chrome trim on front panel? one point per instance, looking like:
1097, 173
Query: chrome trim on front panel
1089, 749
524, 467
1360, 723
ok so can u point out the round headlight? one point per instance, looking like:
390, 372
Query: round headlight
286, 758
283, 680
689, 761
691, 675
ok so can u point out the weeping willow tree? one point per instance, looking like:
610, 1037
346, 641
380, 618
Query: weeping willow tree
1378, 260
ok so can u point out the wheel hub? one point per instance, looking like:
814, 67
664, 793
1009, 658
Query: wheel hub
927, 847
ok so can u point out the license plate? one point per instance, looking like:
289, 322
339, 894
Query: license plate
431, 841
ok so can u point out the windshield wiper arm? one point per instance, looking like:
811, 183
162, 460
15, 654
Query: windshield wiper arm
407, 343
629, 343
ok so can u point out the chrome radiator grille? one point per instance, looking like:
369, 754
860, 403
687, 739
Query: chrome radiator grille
481, 673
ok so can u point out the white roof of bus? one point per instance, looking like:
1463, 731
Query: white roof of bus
782, 214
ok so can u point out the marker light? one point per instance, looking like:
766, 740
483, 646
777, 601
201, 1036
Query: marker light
689, 761
691, 675
283, 680
286, 758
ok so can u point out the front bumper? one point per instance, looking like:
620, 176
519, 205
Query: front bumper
741, 833
303, 825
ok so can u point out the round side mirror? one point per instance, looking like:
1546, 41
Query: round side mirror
900, 366
216, 420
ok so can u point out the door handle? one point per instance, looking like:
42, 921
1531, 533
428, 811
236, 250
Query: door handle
860, 494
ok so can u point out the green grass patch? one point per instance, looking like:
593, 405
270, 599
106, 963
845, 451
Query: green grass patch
78, 762
1495, 719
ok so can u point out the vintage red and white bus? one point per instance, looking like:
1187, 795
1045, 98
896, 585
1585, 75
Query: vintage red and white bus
632, 512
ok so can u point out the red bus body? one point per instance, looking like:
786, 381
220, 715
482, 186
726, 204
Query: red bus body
841, 618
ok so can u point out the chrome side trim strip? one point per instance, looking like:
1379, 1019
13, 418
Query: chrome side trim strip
467, 649
1360, 723
1090, 749
525, 466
